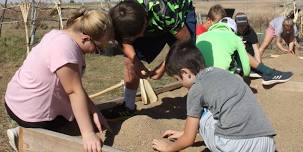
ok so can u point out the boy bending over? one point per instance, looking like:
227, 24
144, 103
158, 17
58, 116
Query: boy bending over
219, 105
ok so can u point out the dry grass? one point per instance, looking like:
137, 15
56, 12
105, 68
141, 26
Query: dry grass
102, 71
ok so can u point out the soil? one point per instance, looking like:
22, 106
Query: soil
283, 108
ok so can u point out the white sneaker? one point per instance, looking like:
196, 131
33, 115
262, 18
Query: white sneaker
254, 75
12, 135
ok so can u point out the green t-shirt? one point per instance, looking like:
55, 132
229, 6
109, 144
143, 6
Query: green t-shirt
218, 46
166, 15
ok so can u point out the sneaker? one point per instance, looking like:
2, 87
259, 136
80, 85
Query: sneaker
254, 75
118, 112
276, 77
12, 135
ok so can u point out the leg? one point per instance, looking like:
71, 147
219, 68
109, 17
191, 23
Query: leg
59, 124
252, 61
147, 48
258, 144
207, 129
131, 81
269, 35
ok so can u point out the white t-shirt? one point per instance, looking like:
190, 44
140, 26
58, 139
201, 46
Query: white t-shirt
277, 24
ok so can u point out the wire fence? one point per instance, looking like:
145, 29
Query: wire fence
53, 13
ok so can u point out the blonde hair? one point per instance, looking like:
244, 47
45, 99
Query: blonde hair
90, 22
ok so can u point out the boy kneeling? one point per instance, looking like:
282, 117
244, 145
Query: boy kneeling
220, 105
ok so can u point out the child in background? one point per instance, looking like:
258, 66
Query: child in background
143, 28
220, 43
284, 29
216, 15
219, 105
227, 58
47, 92
250, 39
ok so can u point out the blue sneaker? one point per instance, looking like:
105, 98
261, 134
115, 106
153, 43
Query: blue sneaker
276, 77
254, 74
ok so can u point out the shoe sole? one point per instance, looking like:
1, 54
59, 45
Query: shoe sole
274, 81
255, 75
11, 139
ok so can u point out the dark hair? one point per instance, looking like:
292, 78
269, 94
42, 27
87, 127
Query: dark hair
241, 18
129, 18
183, 54
216, 13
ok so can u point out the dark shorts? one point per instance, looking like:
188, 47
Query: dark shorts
59, 124
148, 47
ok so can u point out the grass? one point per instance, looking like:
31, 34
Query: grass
101, 72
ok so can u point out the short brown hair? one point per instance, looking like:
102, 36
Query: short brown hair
216, 13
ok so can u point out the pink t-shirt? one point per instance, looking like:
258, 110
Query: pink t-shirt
35, 93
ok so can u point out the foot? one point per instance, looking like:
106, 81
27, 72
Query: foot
118, 112
12, 135
254, 74
276, 77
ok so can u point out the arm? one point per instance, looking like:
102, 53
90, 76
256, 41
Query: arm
279, 44
183, 34
292, 46
130, 53
243, 57
187, 138
256, 51
158, 72
70, 79
100, 122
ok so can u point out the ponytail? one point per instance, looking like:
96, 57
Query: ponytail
90, 22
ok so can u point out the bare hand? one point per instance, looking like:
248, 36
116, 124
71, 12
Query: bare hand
159, 145
140, 69
158, 72
91, 142
101, 122
172, 134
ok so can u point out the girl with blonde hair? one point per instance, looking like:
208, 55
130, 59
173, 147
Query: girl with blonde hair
47, 92
284, 29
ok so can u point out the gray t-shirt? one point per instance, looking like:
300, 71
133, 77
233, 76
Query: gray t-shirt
277, 24
231, 102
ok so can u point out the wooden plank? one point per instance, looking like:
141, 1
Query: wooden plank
34, 140
114, 102
121, 83
292, 86
169, 87
143, 92
150, 92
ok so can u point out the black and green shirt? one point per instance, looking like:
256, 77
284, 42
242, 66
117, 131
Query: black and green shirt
166, 15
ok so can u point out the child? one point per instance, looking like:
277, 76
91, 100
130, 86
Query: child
220, 43
214, 56
219, 105
47, 92
250, 39
143, 28
285, 30
217, 13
